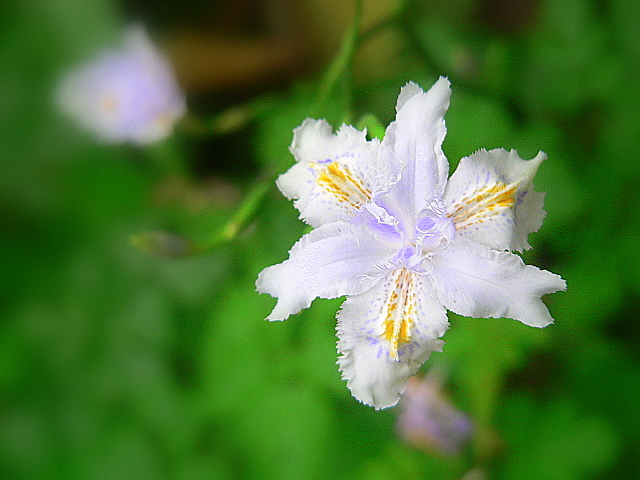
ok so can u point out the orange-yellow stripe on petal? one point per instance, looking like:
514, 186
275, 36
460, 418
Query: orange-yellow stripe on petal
399, 311
341, 183
484, 203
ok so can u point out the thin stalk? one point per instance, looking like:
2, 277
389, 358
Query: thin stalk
167, 244
242, 216
342, 64
227, 121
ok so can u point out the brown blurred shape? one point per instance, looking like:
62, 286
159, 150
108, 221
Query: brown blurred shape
256, 44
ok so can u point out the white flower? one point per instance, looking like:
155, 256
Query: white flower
129, 95
403, 243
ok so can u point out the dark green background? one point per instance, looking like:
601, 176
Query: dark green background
115, 364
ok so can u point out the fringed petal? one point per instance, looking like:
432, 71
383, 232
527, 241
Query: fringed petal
491, 200
386, 334
333, 260
334, 175
475, 281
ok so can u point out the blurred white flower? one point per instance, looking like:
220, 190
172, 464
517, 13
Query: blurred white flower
126, 95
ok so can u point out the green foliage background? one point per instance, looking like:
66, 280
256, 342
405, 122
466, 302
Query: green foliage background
116, 364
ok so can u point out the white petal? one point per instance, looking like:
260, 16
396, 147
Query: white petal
400, 315
333, 260
491, 199
138, 43
335, 174
412, 144
475, 281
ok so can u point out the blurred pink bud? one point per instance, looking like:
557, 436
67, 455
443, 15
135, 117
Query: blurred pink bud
428, 421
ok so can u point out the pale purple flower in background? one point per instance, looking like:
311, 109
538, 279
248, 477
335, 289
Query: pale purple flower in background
428, 421
126, 95
403, 243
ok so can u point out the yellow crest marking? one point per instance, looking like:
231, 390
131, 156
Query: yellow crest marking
399, 311
484, 203
109, 103
338, 181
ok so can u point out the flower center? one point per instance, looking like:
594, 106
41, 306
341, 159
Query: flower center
432, 231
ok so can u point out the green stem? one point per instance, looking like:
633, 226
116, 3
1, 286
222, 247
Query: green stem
391, 21
341, 64
339, 68
167, 244
227, 121
242, 216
